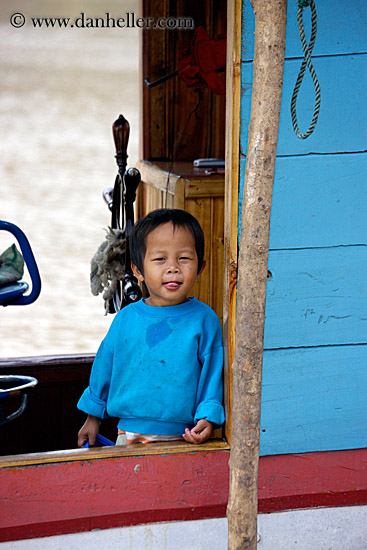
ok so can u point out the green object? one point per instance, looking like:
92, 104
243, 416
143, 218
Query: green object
11, 266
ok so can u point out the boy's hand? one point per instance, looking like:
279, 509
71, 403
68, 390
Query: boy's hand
200, 433
89, 431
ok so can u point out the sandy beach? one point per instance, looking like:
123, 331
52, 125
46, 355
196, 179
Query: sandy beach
60, 91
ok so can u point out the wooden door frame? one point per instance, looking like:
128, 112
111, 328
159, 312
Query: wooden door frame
233, 102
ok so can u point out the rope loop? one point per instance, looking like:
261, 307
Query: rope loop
304, 3
307, 50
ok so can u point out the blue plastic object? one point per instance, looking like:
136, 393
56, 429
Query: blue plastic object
101, 441
12, 295
9, 292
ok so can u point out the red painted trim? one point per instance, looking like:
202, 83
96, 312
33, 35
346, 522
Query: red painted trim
110, 521
73, 496
79, 496
323, 500
334, 478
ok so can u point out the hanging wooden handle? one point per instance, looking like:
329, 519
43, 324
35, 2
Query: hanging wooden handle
121, 133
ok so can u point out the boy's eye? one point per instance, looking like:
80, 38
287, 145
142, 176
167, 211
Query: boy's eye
184, 258
158, 259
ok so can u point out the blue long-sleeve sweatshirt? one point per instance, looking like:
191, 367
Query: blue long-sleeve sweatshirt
159, 369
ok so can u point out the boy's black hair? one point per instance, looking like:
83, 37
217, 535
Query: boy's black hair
144, 226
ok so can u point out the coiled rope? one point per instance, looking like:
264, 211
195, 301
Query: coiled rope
307, 50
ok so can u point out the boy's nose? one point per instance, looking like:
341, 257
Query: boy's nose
172, 268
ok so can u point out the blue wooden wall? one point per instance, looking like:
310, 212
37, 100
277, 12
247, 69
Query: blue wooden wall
315, 360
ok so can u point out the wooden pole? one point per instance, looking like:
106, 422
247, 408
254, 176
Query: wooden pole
268, 65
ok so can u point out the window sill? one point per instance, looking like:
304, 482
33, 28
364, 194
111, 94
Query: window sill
97, 453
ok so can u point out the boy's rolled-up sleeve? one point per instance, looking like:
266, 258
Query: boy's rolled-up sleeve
210, 387
94, 399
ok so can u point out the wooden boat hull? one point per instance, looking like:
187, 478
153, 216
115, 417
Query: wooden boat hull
51, 494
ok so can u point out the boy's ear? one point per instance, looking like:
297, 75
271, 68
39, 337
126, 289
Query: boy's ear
137, 273
202, 268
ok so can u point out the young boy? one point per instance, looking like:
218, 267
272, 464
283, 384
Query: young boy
159, 369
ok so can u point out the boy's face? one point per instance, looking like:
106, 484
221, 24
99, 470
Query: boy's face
170, 265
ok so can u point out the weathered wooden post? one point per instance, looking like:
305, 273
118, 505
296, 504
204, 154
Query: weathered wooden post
268, 65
